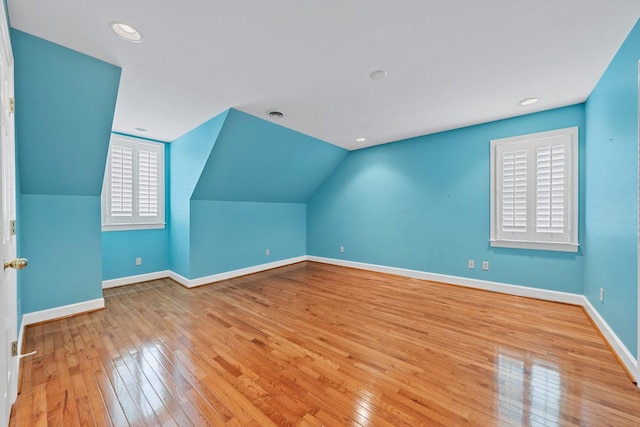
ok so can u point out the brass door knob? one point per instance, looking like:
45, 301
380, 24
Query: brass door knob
18, 263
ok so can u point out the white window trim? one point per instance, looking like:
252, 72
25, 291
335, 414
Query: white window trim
136, 222
572, 219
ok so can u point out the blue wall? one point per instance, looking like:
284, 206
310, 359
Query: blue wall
423, 204
61, 239
227, 236
65, 103
121, 248
611, 244
188, 155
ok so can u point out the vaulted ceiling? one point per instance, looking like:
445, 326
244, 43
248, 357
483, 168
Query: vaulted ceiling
448, 64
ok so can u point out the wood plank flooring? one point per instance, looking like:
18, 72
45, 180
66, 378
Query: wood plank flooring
318, 345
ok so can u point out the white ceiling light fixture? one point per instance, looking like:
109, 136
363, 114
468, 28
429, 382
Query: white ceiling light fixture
528, 101
126, 32
361, 139
378, 75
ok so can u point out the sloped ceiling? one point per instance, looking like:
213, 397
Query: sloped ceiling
255, 160
64, 111
449, 63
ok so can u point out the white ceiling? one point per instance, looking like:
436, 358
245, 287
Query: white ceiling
450, 63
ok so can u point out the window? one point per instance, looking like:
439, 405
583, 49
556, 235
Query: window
534, 191
133, 186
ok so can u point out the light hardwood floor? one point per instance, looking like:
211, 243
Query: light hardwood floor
312, 345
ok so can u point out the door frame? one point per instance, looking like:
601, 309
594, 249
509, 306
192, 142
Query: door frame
637, 374
9, 210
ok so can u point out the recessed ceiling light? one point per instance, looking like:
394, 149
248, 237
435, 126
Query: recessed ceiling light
528, 101
126, 32
361, 139
275, 114
141, 129
378, 74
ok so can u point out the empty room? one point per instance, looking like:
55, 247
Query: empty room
330, 213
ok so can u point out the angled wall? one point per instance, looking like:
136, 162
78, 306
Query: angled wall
423, 204
65, 103
251, 196
188, 155
255, 160
611, 242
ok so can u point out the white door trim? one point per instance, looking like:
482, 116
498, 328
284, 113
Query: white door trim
7, 204
8, 239
637, 373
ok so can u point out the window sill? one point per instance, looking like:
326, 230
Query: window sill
540, 246
130, 227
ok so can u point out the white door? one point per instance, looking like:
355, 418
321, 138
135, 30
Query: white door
8, 298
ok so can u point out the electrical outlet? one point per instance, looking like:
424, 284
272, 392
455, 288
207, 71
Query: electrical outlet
485, 265
266, 252
341, 249
471, 264
602, 294
138, 261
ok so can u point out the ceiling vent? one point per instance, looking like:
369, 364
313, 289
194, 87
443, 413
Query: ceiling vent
275, 114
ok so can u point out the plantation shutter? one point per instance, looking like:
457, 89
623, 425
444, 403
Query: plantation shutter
121, 204
551, 189
514, 191
147, 183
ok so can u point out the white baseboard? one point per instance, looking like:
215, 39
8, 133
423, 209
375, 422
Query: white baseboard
60, 312
504, 288
123, 281
623, 353
178, 278
190, 283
